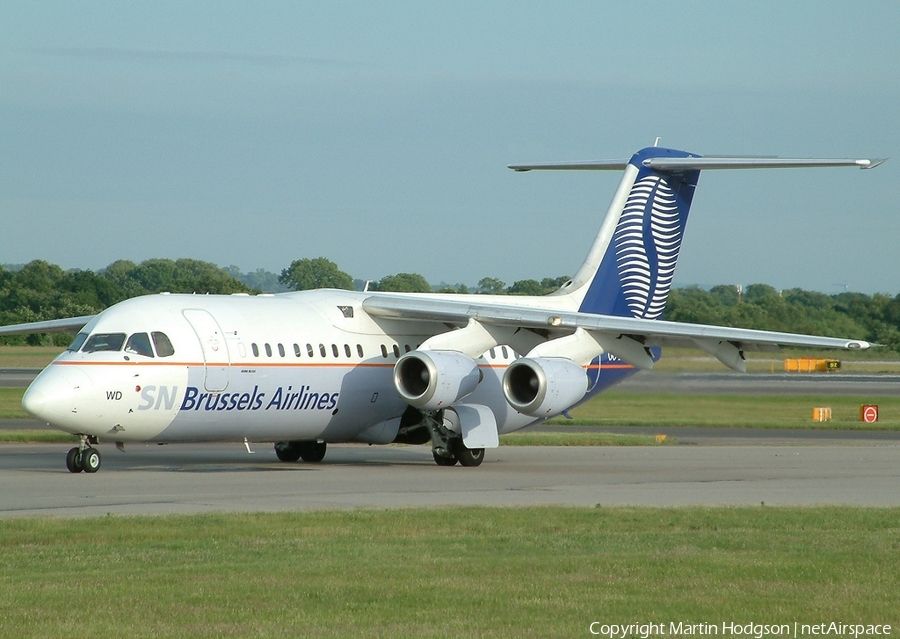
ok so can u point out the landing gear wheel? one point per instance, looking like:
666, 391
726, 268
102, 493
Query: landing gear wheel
90, 460
440, 460
469, 456
311, 451
73, 461
287, 451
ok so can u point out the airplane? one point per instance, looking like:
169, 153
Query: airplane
309, 368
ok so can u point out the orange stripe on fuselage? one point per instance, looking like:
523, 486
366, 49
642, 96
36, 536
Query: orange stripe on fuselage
229, 365
293, 365
608, 366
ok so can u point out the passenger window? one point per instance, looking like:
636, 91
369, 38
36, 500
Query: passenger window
309, 350
359, 350
504, 351
493, 354
139, 344
383, 351
162, 343
347, 350
104, 342
406, 347
297, 350
281, 350
255, 349
396, 350
268, 350
77, 342
334, 349
322, 350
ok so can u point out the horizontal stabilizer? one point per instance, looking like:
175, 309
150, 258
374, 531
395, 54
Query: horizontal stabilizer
600, 165
674, 164
708, 163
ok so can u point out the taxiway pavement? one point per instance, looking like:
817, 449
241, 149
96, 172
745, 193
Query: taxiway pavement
224, 477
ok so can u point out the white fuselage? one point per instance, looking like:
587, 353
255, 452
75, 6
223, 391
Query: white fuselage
300, 366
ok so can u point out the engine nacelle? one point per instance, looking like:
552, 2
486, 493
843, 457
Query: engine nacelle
544, 386
435, 379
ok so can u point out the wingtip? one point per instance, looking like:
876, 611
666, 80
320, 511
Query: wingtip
871, 164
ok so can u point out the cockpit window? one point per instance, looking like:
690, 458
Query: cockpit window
104, 342
139, 344
164, 347
77, 342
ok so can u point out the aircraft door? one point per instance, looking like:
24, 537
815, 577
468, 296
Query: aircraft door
215, 348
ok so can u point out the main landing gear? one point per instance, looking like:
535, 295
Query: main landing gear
457, 452
84, 457
308, 451
447, 447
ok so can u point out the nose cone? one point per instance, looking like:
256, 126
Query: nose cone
33, 401
53, 395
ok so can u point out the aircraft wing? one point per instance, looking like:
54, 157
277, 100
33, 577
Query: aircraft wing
49, 326
725, 343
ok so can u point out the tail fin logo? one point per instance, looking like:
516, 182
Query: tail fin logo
649, 232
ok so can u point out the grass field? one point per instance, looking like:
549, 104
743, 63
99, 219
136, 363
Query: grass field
614, 408
11, 403
36, 436
27, 356
472, 572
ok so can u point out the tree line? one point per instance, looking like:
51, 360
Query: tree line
875, 318
42, 291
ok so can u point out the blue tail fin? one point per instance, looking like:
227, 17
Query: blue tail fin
631, 265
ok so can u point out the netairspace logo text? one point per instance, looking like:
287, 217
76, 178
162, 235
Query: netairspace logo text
731, 629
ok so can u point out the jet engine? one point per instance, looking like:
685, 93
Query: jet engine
433, 380
544, 386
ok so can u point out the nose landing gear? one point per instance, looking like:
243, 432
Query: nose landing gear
84, 457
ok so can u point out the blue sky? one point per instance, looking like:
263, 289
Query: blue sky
377, 134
